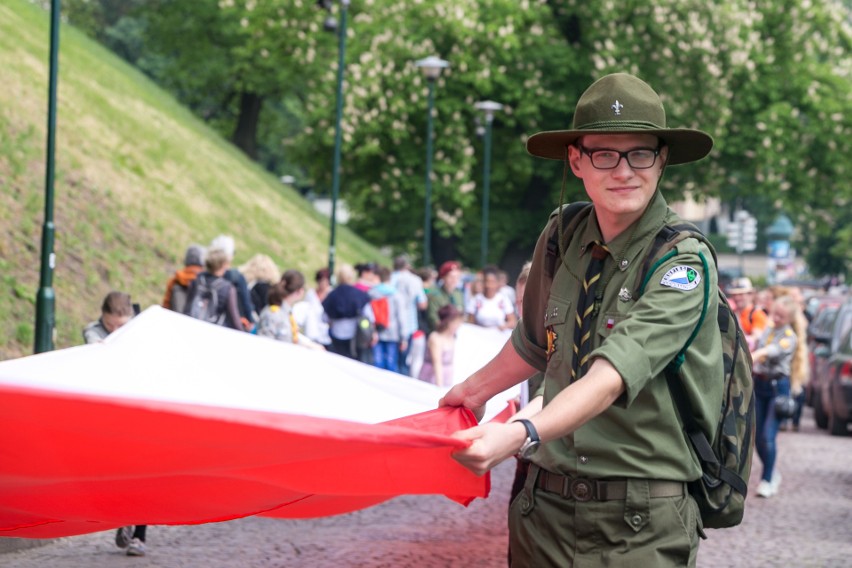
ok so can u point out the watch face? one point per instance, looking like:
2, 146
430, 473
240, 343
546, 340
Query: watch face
529, 448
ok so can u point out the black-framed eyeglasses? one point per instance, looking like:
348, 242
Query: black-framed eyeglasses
606, 159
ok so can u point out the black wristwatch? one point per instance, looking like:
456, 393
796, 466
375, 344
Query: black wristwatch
532, 442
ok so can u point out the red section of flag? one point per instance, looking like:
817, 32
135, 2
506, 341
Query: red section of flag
73, 463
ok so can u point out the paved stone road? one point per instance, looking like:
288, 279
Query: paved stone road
808, 524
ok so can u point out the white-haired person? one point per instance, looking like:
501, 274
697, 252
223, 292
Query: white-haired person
235, 277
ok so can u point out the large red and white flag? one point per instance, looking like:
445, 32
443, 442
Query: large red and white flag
175, 421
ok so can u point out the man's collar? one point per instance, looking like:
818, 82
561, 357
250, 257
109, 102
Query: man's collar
651, 221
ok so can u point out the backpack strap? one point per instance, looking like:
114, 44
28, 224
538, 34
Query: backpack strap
665, 244
572, 214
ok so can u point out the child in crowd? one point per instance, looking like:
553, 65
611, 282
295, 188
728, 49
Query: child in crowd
116, 311
438, 361
276, 319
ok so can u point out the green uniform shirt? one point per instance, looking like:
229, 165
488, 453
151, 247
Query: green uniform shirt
639, 436
438, 298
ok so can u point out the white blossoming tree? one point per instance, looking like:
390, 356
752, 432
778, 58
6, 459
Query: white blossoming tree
770, 81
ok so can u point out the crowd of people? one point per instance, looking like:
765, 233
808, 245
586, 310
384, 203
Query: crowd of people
392, 318
398, 319
395, 318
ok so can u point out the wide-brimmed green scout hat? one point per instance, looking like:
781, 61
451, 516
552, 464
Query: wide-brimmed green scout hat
622, 104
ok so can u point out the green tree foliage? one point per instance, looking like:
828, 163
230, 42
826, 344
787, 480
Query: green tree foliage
770, 81
498, 49
241, 65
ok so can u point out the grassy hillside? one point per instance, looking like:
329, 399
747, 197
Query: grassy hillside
138, 178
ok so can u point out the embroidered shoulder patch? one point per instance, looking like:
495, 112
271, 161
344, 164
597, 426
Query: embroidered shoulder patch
682, 278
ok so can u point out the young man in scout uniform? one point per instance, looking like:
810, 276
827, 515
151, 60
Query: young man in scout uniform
609, 462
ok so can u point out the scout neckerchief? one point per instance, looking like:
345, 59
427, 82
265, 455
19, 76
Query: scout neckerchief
586, 307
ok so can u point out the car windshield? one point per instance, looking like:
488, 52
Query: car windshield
842, 328
824, 322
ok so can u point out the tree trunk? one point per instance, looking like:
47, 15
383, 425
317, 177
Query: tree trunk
245, 134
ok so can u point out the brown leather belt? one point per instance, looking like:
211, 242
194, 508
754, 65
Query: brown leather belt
582, 489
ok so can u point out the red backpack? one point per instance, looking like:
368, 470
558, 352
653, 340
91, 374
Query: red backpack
381, 313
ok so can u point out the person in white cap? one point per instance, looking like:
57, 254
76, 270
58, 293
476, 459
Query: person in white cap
753, 320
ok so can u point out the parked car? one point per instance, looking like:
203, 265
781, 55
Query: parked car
816, 304
839, 386
827, 387
819, 339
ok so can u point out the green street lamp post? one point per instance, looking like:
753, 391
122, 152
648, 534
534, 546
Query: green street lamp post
46, 297
431, 67
335, 174
488, 108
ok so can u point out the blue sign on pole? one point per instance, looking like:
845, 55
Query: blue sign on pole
779, 249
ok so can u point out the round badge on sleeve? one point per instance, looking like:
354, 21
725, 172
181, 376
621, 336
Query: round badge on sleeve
682, 278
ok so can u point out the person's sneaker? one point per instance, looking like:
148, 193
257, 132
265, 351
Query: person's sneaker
136, 548
776, 482
123, 536
764, 489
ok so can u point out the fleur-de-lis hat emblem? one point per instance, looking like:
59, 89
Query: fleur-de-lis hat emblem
616, 107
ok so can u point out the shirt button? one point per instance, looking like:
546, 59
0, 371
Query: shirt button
623, 264
636, 520
584, 460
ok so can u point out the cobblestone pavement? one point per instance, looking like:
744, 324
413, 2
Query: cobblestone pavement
808, 524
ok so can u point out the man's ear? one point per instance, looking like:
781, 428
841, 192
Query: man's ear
574, 157
664, 156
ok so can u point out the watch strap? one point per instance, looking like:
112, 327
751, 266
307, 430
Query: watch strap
532, 433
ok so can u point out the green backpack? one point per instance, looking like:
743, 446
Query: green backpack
726, 462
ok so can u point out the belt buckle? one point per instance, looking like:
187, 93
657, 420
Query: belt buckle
581, 489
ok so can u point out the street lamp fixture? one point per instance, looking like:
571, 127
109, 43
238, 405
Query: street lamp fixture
431, 67
488, 108
335, 172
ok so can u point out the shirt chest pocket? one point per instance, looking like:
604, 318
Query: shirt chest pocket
557, 327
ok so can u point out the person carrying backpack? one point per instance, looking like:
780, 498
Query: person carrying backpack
388, 317
212, 298
235, 277
609, 465
346, 310
177, 289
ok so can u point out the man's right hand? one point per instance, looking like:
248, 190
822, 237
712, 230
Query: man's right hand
457, 396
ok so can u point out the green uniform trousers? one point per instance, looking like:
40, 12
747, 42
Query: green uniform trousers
547, 529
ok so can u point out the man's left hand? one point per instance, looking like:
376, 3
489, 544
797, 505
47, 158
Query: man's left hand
490, 444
